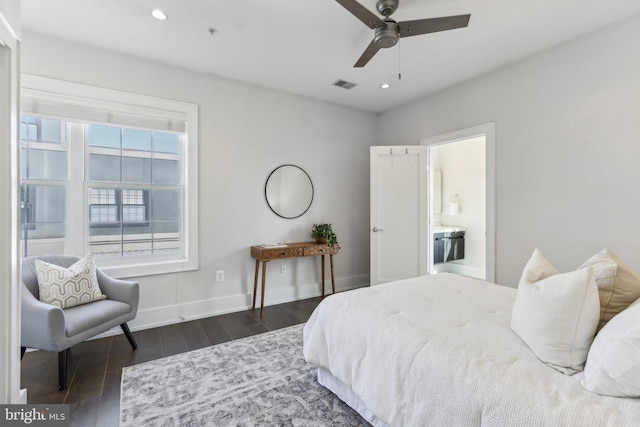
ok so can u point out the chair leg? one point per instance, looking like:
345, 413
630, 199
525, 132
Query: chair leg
23, 350
127, 333
62, 369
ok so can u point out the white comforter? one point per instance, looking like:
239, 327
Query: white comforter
438, 351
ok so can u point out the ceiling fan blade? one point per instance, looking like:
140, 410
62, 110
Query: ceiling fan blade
362, 13
371, 50
432, 25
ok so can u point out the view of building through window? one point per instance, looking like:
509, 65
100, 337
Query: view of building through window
131, 188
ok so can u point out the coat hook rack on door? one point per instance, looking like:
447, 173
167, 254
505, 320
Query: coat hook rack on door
406, 150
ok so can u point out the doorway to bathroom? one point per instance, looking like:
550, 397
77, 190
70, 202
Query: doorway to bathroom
461, 202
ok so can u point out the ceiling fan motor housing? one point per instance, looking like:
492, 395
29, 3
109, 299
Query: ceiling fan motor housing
386, 7
388, 35
387, 31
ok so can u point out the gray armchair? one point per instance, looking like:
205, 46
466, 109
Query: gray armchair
51, 328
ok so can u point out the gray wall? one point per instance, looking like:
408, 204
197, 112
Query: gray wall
245, 132
567, 123
567, 144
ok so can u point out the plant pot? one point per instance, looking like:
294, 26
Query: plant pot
321, 240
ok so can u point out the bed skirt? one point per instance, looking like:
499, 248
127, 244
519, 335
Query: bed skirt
348, 396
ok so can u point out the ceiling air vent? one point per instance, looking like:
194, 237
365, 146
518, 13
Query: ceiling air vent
344, 84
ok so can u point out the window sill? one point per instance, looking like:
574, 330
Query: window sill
147, 268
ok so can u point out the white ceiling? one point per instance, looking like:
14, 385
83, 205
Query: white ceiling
303, 46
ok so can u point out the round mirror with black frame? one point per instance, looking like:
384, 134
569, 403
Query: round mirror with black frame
289, 191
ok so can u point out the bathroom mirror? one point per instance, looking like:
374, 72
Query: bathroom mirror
289, 191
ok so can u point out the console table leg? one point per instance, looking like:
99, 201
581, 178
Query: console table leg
322, 256
255, 285
264, 278
333, 279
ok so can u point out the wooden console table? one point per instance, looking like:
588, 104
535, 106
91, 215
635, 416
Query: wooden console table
265, 254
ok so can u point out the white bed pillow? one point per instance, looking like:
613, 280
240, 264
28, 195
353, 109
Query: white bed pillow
618, 284
556, 314
68, 287
613, 363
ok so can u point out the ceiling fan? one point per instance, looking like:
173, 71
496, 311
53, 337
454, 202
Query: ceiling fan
388, 31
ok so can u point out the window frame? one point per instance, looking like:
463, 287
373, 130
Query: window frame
85, 96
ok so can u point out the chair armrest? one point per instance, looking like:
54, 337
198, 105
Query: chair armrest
42, 325
120, 290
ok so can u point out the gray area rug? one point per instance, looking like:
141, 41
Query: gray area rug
262, 380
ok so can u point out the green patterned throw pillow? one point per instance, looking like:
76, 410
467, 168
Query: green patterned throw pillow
68, 287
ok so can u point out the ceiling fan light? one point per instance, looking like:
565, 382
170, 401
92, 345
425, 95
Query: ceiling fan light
159, 15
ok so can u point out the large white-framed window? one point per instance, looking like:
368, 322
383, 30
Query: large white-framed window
109, 172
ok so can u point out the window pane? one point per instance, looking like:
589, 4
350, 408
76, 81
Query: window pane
136, 169
50, 204
105, 241
112, 235
104, 136
28, 129
113, 231
133, 214
134, 139
166, 172
133, 197
137, 241
41, 130
166, 142
103, 214
104, 226
102, 196
51, 131
23, 163
42, 211
165, 211
103, 207
45, 164
104, 168
165, 224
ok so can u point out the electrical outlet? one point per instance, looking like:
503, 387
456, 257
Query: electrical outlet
283, 268
220, 276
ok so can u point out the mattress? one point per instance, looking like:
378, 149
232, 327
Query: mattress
438, 350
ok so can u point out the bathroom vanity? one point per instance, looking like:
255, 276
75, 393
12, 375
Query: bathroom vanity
448, 243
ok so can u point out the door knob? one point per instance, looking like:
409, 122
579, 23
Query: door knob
376, 229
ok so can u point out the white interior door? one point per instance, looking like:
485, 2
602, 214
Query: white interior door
399, 218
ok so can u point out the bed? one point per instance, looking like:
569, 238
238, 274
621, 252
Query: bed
438, 350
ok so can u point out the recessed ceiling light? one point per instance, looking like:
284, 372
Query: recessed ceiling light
385, 85
159, 15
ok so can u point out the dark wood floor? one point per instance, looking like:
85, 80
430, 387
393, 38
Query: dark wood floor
95, 367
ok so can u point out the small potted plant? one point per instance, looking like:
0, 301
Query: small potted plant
324, 234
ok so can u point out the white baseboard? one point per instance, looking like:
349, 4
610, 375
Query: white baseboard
462, 269
168, 315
